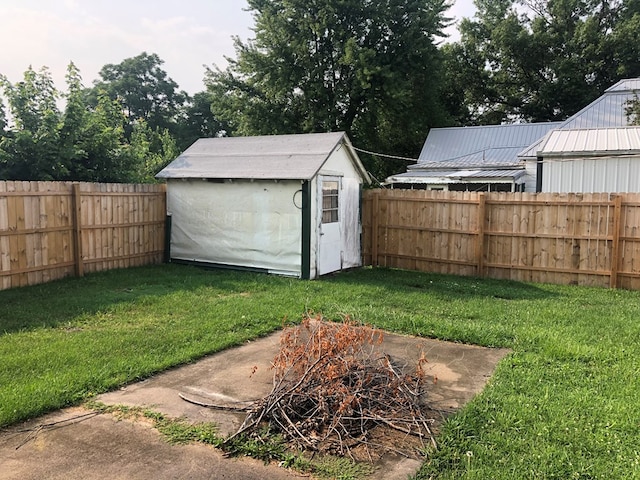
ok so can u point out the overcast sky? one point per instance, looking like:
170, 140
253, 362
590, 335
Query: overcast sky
186, 34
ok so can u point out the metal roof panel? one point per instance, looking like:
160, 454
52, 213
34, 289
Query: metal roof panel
627, 84
481, 146
592, 140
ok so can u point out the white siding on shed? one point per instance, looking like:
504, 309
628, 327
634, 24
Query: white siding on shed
341, 164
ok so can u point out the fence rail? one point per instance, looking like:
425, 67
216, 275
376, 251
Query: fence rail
50, 230
585, 239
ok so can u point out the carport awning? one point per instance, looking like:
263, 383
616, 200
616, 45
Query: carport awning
457, 176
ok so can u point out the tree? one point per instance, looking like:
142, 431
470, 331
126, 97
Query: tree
144, 90
31, 148
93, 143
198, 121
370, 68
150, 151
87, 142
539, 60
632, 110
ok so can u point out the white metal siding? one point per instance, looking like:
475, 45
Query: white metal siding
605, 174
531, 167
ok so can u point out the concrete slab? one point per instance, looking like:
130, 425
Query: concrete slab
125, 449
102, 447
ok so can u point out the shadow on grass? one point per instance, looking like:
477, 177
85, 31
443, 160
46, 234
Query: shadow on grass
441, 285
65, 301
62, 302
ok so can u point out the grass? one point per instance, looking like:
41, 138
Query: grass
565, 404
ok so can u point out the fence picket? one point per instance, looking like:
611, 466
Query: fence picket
586, 239
40, 235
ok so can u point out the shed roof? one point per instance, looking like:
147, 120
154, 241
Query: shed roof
592, 141
271, 157
484, 146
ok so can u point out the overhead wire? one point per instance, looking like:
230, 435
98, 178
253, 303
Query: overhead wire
435, 162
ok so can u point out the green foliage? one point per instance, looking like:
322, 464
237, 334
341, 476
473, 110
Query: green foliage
632, 110
151, 151
539, 61
144, 91
31, 149
198, 121
368, 68
98, 137
92, 138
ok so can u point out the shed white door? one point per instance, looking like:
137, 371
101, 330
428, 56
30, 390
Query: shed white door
330, 241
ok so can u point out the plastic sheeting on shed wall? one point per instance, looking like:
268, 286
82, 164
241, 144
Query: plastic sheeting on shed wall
241, 223
595, 175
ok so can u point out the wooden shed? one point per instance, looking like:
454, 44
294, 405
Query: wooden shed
283, 204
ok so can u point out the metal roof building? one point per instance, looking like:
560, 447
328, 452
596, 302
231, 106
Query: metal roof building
591, 160
484, 157
507, 157
592, 142
285, 204
594, 150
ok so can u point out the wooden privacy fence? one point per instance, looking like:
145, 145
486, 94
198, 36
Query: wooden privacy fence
50, 230
585, 239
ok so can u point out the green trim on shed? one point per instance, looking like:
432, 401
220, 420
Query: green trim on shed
306, 230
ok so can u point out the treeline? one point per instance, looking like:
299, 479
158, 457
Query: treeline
125, 128
375, 69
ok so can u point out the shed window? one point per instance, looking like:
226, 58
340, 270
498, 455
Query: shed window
330, 202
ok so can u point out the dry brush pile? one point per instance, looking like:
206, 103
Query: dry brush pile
335, 391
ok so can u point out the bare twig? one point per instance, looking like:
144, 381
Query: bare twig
34, 431
233, 406
332, 387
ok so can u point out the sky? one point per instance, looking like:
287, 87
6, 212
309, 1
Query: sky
186, 34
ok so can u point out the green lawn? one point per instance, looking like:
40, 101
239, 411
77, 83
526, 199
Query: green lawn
565, 404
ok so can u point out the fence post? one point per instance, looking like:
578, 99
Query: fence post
480, 244
77, 229
615, 242
374, 228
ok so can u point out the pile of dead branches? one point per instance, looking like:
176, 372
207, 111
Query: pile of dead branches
334, 391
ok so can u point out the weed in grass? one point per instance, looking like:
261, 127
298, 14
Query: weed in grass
176, 431
263, 445
340, 468
180, 432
